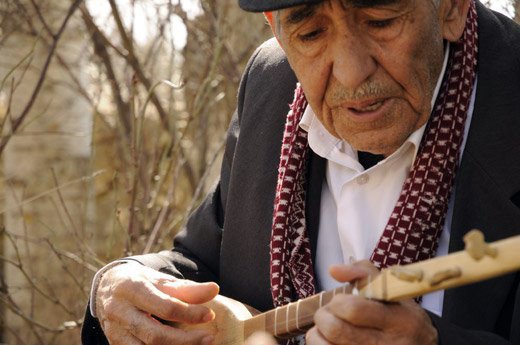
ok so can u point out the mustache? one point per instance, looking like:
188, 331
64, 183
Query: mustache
337, 93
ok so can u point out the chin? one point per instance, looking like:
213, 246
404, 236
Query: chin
375, 143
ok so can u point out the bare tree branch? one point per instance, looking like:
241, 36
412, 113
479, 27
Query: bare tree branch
99, 42
19, 119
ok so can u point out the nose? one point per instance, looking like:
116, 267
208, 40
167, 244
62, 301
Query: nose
352, 62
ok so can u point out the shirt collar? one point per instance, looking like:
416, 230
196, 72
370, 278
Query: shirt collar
339, 151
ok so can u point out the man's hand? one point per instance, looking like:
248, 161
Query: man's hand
350, 319
129, 294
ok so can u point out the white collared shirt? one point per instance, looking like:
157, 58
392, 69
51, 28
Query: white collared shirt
356, 203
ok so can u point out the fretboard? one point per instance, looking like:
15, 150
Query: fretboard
294, 318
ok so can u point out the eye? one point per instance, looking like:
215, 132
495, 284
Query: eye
381, 24
310, 36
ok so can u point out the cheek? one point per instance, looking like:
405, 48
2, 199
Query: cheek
313, 74
427, 60
418, 80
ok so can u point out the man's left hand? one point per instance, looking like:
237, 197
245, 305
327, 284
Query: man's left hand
349, 319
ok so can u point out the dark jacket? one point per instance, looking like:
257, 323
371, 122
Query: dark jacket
227, 239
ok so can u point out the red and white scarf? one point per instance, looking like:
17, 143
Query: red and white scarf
417, 220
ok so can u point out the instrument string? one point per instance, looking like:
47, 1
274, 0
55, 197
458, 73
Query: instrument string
308, 318
298, 318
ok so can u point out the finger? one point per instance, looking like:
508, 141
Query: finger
330, 327
355, 272
145, 296
383, 321
188, 291
117, 335
135, 283
150, 331
314, 337
361, 312
260, 338
338, 331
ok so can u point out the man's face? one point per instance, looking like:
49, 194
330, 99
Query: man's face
368, 67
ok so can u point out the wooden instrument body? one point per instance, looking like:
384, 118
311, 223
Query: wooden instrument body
228, 325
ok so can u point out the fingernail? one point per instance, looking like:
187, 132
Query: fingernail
208, 340
212, 284
208, 317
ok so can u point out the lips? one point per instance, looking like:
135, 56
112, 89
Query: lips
367, 108
365, 111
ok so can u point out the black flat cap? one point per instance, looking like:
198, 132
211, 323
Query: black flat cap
272, 5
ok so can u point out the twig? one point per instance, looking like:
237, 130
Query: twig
42, 194
134, 62
99, 41
65, 268
28, 56
19, 265
157, 227
18, 121
139, 146
63, 204
7, 114
30, 321
136, 66
81, 243
71, 256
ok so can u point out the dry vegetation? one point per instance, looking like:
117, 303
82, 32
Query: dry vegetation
107, 143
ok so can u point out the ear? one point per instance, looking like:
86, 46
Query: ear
453, 14
270, 19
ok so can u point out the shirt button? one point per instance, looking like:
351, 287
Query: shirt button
362, 179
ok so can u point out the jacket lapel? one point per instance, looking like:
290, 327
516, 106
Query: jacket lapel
489, 173
315, 176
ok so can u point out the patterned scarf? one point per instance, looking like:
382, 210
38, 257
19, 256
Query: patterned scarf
417, 220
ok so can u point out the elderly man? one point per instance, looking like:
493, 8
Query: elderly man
402, 135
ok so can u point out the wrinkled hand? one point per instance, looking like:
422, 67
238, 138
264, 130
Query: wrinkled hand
350, 319
129, 294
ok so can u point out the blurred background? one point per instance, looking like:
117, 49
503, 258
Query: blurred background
112, 117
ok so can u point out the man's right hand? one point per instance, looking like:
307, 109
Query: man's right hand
129, 294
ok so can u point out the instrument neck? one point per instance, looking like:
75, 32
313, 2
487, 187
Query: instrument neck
294, 318
478, 262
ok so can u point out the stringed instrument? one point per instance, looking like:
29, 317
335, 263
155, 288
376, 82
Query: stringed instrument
234, 322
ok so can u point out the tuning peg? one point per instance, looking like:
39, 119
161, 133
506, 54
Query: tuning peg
407, 274
476, 247
444, 275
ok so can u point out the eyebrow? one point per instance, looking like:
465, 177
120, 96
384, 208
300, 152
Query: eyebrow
301, 13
